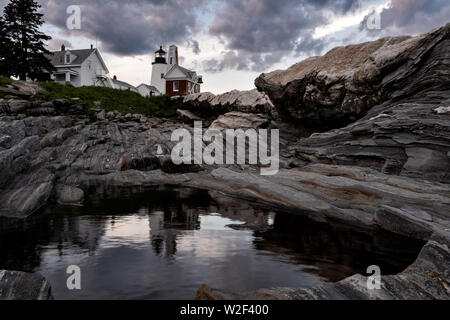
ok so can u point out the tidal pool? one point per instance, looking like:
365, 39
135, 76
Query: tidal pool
164, 244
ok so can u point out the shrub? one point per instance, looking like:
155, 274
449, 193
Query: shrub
4, 81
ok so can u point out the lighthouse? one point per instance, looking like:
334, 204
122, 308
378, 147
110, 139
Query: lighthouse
159, 69
172, 79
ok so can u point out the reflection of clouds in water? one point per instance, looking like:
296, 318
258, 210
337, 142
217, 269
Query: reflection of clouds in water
214, 240
173, 245
129, 230
215, 222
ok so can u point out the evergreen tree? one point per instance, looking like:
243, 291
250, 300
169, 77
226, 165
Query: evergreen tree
28, 52
4, 50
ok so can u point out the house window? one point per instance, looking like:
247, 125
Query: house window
176, 86
67, 58
162, 75
171, 60
89, 65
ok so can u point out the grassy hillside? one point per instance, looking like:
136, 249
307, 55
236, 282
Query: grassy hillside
112, 100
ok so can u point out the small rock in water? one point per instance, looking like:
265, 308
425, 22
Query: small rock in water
68, 195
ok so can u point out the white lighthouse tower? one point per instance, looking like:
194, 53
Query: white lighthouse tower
159, 69
161, 66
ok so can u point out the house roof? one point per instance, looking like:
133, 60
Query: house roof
188, 73
151, 88
57, 57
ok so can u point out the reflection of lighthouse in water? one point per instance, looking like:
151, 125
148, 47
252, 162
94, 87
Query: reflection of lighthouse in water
165, 227
157, 230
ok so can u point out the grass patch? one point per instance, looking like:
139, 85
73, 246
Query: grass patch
112, 99
4, 81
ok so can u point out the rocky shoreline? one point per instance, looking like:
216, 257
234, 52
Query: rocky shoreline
379, 155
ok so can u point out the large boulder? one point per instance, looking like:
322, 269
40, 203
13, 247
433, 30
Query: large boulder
17, 106
206, 103
341, 86
22, 89
28, 88
238, 120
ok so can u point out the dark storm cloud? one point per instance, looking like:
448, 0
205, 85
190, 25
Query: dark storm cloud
256, 33
194, 45
128, 27
410, 17
260, 32
242, 60
310, 46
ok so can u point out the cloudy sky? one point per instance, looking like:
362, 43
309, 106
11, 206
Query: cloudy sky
230, 42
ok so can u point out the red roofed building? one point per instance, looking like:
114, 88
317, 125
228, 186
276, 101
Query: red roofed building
172, 79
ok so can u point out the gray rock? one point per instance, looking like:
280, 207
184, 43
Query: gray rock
61, 103
101, 115
27, 88
10, 91
208, 104
187, 115
110, 115
68, 195
16, 285
5, 142
411, 141
17, 106
341, 86
442, 110
238, 120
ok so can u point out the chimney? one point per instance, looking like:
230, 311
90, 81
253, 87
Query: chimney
63, 47
115, 77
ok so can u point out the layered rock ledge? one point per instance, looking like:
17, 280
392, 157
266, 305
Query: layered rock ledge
207, 104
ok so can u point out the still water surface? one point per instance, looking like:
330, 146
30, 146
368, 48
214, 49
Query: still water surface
164, 244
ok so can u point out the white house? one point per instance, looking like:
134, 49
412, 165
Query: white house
122, 85
80, 68
148, 91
